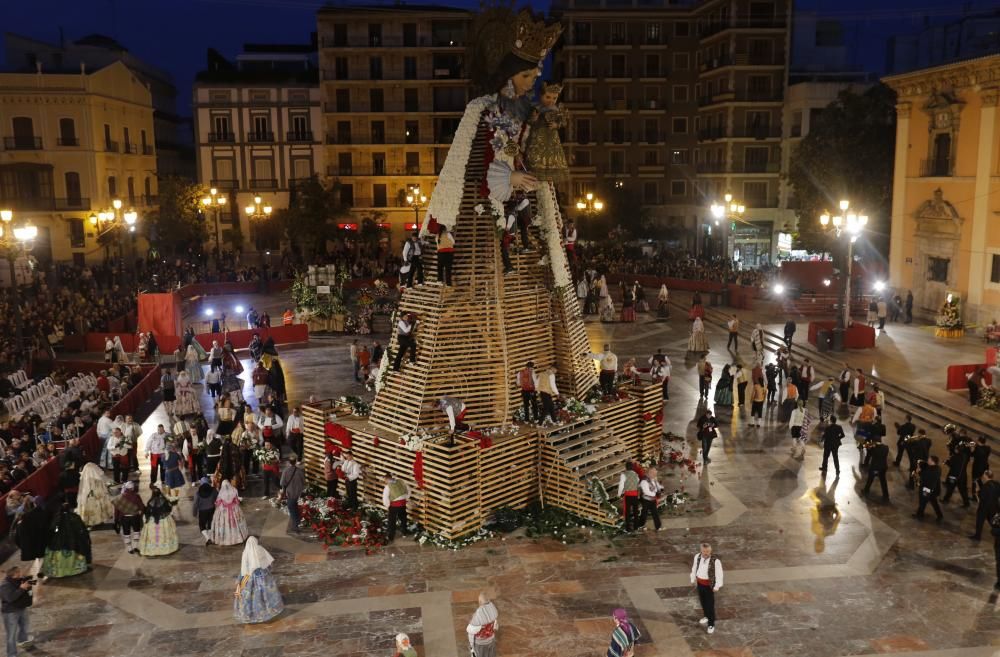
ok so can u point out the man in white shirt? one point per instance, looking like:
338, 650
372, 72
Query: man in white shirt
105, 425
156, 448
405, 327
354, 359
293, 429
548, 391
352, 472
650, 489
271, 427
628, 490
412, 255
734, 333
706, 574
609, 368
132, 430
570, 240
395, 495
806, 375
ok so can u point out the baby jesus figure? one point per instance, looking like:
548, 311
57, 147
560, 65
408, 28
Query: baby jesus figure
544, 153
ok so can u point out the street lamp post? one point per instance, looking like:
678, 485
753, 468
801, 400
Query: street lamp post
732, 211
416, 200
259, 211
848, 225
14, 242
589, 204
216, 202
106, 221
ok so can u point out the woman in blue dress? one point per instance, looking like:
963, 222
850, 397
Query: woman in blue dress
257, 599
724, 389
173, 477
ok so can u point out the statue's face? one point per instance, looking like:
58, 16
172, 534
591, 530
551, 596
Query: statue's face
524, 81
549, 99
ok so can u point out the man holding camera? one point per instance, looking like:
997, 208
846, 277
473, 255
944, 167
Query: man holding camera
15, 598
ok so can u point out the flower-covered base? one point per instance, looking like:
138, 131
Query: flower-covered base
950, 333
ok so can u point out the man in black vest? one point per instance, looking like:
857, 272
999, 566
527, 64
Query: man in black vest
878, 462
989, 503
833, 435
920, 449
930, 487
958, 473
980, 463
904, 431
706, 574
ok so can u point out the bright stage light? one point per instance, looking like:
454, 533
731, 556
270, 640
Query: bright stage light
879, 286
239, 309
209, 312
779, 289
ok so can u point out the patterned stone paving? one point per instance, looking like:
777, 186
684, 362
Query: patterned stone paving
811, 569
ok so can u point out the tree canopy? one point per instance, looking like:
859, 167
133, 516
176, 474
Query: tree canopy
310, 219
177, 222
848, 154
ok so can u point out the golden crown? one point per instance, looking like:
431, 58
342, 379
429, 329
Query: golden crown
533, 40
551, 87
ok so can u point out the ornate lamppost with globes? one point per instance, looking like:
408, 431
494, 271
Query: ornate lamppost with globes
258, 212
215, 201
731, 211
117, 219
416, 200
848, 226
589, 204
15, 242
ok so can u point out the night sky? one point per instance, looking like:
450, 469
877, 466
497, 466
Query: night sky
174, 34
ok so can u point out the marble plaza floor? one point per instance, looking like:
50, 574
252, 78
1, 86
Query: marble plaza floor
811, 568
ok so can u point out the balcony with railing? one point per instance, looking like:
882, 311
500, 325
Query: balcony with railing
110, 146
708, 134
147, 149
711, 167
376, 170
617, 137
299, 136
260, 137
263, 183
938, 167
225, 183
22, 143
391, 42
68, 141
711, 28
149, 200
758, 132
131, 149
754, 166
712, 63
623, 73
221, 137
652, 137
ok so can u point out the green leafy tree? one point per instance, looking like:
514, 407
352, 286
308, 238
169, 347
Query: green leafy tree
177, 221
848, 153
311, 217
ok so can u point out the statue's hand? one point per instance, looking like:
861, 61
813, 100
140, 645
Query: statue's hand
523, 181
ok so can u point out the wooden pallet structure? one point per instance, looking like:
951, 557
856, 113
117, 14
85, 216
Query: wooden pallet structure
472, 339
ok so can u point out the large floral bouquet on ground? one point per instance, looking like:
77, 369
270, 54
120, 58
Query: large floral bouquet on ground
337, 526
950, 316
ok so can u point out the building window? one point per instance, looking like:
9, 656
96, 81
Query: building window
619, 69
378, 132
218, 97
759, 87
797, 123
651, 158
619, 34
225, 169
77, 234
340, 35
412, 164
583, 131
616, 162
260, 97
582, 94
341, 70
652, 33
112, 187
682, 61
375, 68
127, 140
679, 125
375, 34
300, 127
147, 190
378, 164
682, 28
261, 128
130, 185
380, 198
652, 66
755, 194
618, 134
411, 101
409, 35
651, 192
680, 92
755, 159
343, 100
678, 188
582, 66
937, 269
411, 132
67, 133
73, 194
144, 142
263, 174
581, 158
581, 34
343, 132
220, 125
109, 143
347, 194
618, 95
344, 164
409, 68
679, 156
651, 129
995, 269
376, 100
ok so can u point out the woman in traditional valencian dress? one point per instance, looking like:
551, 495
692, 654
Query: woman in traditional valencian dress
257, 598
67, 551
228, 525
724, 390
159, 531
187, 398
697, 343
93, 503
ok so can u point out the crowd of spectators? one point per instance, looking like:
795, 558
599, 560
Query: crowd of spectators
616, 259
28, 440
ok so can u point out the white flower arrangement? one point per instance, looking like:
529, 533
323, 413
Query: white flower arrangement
383, 367
415, 441
446, 200
548, 211
480, 209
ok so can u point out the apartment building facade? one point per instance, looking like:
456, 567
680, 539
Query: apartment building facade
72, 144
394, 91
684, 103
259, 130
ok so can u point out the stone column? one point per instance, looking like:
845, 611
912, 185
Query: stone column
898, 222
980, 205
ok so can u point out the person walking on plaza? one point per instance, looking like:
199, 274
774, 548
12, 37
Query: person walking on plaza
708, 429
293, 483
930, 487
609, 369
482, 628
15, 598
909, 306
257, 599
706, 575
628, 490
881, 311
697, 342
354, 359
395, 496
229, 525
624, 636
704, 369
733, 325
878, 463
650, 490
919, 448
527, 382
903, 432
203, 507
833, 436
789, 333
806, 376
742, 379
980, 463
757, 398
445, 255
958, 473
795, 422
989, 503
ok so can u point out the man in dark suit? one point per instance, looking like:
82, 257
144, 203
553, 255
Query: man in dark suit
930, 487
904, 431
958, 473
877, 464
989, 502
980, 464
833, 435
920, 449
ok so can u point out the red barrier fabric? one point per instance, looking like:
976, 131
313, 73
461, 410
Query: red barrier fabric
160, 313
958, 379
857, 336
991, 356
